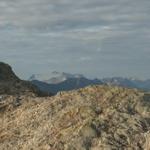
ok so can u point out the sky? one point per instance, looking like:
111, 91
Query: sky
97, 38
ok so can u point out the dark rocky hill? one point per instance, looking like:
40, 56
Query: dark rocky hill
12, 85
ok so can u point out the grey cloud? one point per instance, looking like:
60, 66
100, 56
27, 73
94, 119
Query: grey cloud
69, 14
68, 33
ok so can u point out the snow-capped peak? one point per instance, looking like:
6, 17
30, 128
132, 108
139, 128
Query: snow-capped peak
54, 77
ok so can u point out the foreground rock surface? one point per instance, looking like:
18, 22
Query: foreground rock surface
93, 118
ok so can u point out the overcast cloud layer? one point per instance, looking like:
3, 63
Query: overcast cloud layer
99, 38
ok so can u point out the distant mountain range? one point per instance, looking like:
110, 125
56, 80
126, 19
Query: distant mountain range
128, 82
55, 77
62, 82
56, 82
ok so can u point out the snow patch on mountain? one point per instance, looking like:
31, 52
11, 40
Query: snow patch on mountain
54, 77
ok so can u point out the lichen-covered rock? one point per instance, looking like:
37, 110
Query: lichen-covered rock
92, 118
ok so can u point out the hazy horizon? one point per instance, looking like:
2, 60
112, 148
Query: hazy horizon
98, 38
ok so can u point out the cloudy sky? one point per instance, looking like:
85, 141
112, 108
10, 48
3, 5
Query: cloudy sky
99, 38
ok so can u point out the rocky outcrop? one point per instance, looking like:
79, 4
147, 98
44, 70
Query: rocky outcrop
92, 118
10, 84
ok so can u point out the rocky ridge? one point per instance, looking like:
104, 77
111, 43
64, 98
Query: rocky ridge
92, 118
10, 84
